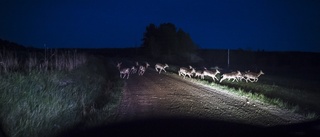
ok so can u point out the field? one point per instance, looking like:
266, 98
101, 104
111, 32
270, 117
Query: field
47, 91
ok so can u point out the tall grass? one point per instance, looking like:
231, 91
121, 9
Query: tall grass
45, 94
47, 60
8, 61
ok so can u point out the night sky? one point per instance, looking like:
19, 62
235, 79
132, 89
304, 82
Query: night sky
270, 25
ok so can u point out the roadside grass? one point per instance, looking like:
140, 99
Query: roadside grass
259, 92
306, 98
44, 97
299, 98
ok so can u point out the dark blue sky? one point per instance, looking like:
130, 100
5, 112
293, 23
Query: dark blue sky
271, 25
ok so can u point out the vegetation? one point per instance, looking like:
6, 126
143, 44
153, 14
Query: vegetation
168, 43
49, 92
264, 96
8, 45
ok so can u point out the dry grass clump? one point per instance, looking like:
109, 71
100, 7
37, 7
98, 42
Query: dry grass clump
48, 60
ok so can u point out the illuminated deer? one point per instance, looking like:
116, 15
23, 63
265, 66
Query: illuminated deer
253, 77
242, 76
161, 67
124, 71
199, 73
233, 75
211, 74
133, 70
184, 71
142, 69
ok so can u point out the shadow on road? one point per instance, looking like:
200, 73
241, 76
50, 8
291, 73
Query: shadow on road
193, 127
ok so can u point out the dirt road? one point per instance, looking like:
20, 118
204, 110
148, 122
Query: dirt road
166, 95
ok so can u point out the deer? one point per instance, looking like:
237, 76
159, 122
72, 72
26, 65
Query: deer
199, 73
241, 77
134, 69
253, 77
161, 67
142, 69
210, 74
233, 75
185, 71
124, 71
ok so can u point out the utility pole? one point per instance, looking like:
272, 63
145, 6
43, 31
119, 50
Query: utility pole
228, 58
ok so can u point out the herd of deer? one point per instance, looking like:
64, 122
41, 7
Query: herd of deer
139, 68
234, 76
191, 72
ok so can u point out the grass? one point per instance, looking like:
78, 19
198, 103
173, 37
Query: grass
56, 94
264, 94
298, 99
261, 97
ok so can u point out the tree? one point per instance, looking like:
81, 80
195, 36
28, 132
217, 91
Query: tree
165, 40
186, 43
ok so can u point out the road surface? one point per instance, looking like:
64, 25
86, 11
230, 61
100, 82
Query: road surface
156, 95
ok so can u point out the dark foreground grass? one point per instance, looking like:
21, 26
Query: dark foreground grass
39, 103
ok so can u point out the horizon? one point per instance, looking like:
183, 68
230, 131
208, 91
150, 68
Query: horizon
95, 48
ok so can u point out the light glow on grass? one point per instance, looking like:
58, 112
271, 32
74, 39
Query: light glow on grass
257, 96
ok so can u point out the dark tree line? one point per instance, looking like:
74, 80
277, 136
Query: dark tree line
167, 40
7, 45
